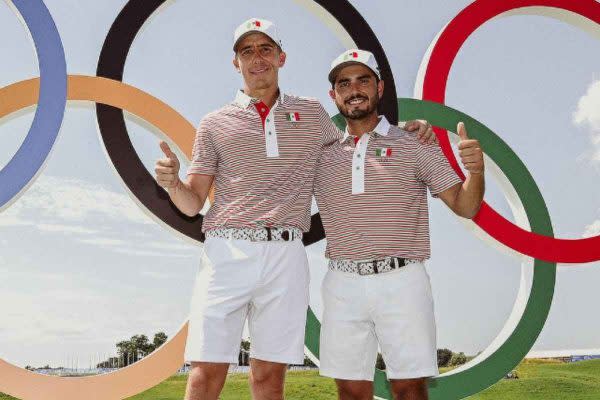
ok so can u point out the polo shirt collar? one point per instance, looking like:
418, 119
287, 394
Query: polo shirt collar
244, 101
382, 128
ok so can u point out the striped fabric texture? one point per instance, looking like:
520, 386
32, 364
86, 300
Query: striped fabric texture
390, 217
251, 189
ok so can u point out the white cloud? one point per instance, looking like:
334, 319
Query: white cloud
81, 321
588, 108
39, 319
65, 228
168, 246
72, 203
104, 242
588, 115
90, 213
143, 248
14, 220
136, 252
78, 314
592, 229
157, 275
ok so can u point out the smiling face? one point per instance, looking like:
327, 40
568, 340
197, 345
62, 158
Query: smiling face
356, 91
258, 59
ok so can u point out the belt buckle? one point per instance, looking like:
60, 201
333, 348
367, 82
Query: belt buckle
269, 233
375, 268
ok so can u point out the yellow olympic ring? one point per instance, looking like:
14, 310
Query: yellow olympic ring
168, 358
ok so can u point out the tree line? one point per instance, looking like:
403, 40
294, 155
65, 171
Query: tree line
139, 346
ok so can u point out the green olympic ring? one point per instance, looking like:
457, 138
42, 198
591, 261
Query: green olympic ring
510, 353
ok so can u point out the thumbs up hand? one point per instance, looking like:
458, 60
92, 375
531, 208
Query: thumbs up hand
469, 151
167, 169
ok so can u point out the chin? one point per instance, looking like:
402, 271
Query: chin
262, 83
358, 113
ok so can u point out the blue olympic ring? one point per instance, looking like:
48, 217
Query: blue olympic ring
27, 163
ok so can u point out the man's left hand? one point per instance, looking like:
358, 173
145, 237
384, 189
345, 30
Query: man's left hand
424, 130
469, 151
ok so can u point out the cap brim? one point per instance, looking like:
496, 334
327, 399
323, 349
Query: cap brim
333, 73
250, 33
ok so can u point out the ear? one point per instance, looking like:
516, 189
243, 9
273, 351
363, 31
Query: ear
380, 89
236, 64
282, 58
332, 94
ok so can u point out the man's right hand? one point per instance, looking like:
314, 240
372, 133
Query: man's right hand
167, 169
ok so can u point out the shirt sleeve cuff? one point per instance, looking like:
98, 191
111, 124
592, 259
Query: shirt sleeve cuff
201, 169
435, 192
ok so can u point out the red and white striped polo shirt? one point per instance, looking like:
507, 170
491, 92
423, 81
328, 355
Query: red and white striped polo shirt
263, 160
372, 194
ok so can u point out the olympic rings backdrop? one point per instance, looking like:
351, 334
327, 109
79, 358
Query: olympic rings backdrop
533, 237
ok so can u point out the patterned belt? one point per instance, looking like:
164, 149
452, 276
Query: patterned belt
256, 234
369, 267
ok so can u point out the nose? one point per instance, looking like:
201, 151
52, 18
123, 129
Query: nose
355, 92
257, 58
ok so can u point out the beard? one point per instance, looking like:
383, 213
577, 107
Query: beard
358, 113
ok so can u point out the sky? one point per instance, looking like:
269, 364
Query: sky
83, 267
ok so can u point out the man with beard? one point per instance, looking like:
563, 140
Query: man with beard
261, 151
371, 190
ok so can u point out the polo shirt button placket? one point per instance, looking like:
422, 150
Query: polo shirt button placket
271, 136
358, 164
271, 146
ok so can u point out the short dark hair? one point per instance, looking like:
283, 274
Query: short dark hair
374, 74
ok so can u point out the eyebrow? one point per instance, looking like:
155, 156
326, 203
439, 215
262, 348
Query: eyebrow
262, 45
367, 76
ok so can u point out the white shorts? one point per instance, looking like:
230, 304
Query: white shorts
266, 282
393, 310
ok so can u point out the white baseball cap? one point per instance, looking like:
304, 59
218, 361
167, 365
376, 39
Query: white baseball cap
254, 25
353, 56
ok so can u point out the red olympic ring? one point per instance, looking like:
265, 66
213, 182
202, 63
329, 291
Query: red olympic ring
435, 79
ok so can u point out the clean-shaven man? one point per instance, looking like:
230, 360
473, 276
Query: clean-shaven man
260, 151
371, 190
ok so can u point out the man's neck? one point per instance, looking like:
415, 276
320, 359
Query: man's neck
358, 127
267, 95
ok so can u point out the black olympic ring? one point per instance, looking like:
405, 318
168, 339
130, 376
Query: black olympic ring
117, 142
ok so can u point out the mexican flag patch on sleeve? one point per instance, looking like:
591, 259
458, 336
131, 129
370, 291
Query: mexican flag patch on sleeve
294, 117
383, 152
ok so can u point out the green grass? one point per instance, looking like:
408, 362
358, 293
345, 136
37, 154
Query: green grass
543, 380
538, 380
299, 385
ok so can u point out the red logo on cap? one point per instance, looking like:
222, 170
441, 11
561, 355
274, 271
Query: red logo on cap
257, 23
